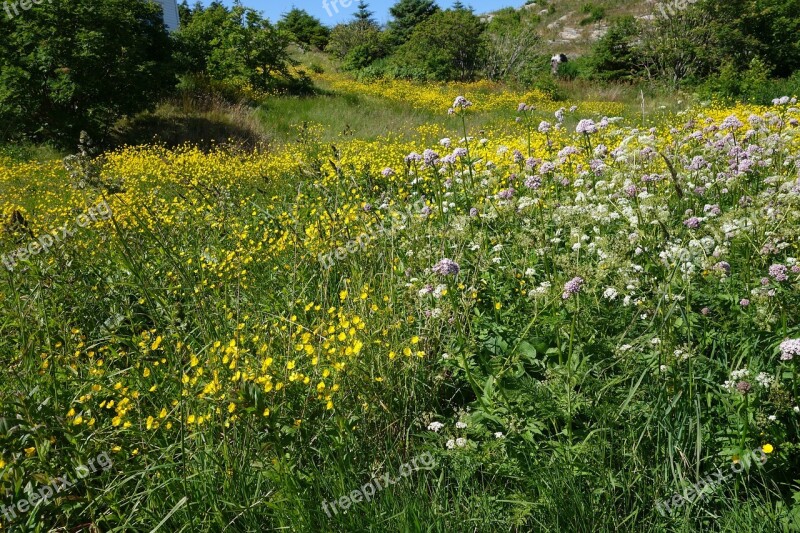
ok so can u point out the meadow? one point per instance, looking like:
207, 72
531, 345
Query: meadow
443, 310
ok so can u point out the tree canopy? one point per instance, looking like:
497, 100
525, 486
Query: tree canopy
449, 45
407, 15
304, 28
236, 44
72, 65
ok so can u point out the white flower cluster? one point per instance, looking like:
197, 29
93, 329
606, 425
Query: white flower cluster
459, 442
435, 426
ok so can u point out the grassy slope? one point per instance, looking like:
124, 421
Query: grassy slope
207, 121
256, 476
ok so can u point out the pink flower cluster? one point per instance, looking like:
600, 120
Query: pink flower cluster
790, 348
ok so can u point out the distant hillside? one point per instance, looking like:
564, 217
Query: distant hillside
572, 26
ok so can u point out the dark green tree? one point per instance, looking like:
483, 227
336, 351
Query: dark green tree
360, 42
304, 28
680, 49
615, 55
346, 37
201, 30
767, 29
236, 45
250, 49
449, 45
185, 12
689, 42
512, 41
72, 65
364, 14
407, 15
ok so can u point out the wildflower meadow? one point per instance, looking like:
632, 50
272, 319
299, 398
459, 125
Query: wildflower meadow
572, 313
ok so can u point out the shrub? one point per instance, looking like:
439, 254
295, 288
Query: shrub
615, 56
73, 65
511, 41
753, 85
448, 46
362, 55
345, 37
239, 45
595, 13
569, 70
304, 28
548, 86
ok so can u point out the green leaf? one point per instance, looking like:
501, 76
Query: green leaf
527, 350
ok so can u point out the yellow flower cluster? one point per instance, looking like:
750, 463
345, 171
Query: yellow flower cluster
438, 97
253, 214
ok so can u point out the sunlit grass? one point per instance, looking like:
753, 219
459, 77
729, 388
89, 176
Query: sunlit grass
238, 383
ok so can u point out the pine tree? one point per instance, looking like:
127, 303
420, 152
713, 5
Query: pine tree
407, 14
364, 14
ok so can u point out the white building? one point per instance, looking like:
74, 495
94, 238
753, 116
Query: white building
170, 10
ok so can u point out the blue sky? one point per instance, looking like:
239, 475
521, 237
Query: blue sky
274, 8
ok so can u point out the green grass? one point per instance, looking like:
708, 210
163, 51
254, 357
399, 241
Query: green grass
594, 435
340, 116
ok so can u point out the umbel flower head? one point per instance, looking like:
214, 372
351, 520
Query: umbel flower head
692, 223
413, 157
430, 157
572, 287
790, 348
731, 122
459, 104
506, 194
779, 272
724, 267
446, 267
586, 126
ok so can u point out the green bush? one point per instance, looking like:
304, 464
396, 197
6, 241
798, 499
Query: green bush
377, 70
345, 37
512, 39
73, 65
548, 85
240, 46
615, 56
569, 70
753, 85
201, 87
595, 13
699, 42
362, 55
447, 46
304, 28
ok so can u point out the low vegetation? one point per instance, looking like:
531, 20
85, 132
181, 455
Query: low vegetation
294, 288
